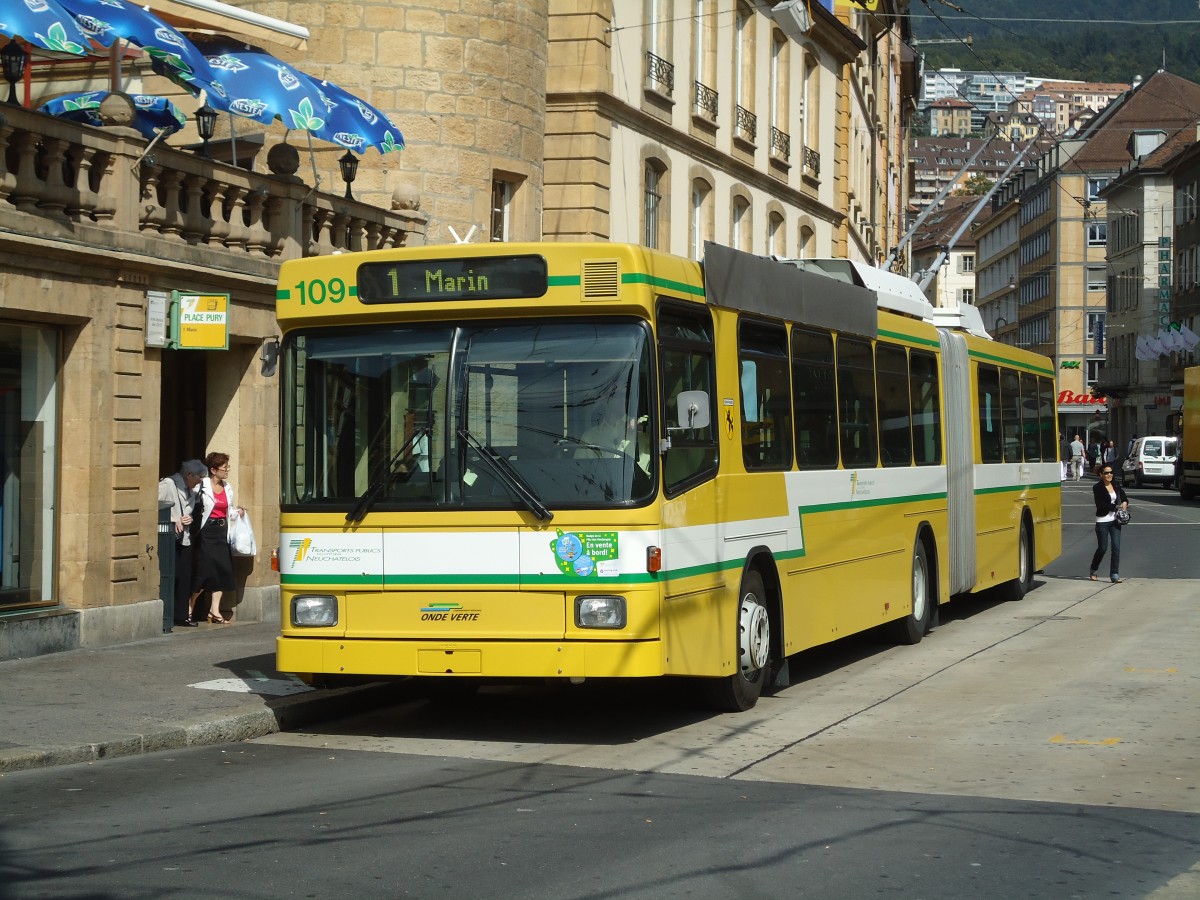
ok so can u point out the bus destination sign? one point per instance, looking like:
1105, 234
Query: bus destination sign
477, 278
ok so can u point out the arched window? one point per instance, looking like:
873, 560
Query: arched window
700, 228
739, 227
652, 204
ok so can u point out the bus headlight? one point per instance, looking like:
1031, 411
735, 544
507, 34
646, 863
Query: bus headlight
600, 611
314, 611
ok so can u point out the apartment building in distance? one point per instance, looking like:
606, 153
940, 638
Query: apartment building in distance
1045, 269
935, 163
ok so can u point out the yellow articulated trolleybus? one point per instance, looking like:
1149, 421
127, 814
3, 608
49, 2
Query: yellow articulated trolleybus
592, 460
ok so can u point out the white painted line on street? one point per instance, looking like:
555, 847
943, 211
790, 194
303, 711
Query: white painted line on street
274, 687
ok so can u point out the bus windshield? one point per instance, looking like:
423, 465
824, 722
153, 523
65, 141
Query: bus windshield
492, 415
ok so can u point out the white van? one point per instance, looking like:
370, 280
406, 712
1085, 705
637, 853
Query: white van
1151, 459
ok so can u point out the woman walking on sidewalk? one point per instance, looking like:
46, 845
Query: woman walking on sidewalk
214, 562
1109, 497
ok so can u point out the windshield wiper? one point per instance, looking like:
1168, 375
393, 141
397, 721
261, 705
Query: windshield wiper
380, 484
508, 475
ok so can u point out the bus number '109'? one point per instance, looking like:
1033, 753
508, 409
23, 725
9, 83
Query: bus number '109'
318, 291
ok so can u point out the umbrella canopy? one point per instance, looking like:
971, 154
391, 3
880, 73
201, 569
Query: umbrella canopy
355, 124
152, 114
45, 24
109, 21
252, 83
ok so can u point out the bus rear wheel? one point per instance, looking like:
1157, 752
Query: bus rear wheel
1020, 586
915, 625
740, 691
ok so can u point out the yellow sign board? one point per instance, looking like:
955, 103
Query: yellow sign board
203, 321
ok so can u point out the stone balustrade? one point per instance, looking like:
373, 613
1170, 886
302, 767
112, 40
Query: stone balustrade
102, 185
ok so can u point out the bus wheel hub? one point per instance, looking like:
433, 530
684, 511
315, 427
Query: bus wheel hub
754, 637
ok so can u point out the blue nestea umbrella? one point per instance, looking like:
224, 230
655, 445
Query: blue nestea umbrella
108, 21
152, 114
44, 24
355, 124
254, 84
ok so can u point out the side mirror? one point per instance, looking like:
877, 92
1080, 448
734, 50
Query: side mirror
693, 411
269, 356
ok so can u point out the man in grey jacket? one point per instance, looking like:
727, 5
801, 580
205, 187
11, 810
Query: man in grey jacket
180, 490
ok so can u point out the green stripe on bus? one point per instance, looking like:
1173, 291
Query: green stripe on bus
1010, 488
867, 504
977, 354
896, 335
696, 290
564, 280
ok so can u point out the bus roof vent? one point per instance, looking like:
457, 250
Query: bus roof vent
601, 279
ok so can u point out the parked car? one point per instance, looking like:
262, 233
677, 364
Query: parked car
1151, 459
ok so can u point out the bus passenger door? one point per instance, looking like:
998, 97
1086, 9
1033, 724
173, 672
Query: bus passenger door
697, 627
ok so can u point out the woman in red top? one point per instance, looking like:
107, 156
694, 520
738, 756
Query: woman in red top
213, 570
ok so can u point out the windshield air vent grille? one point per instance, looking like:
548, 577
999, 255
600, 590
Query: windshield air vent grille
601, 279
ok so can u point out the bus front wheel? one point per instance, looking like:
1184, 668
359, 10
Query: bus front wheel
740, 691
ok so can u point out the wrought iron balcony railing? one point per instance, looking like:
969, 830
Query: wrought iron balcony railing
781, 144
812, 161
705, 101
745, 123
660, 74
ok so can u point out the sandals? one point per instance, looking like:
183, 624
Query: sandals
217, 620
1093, 577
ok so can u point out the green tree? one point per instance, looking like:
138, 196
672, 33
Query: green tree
975, 186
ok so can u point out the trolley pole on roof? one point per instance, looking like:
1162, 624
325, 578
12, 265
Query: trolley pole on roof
928, 274
933, 204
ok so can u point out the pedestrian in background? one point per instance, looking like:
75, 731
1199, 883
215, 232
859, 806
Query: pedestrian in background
1064, 455
1077, 451
1109, 457
214, 561
1109, 497
180, 490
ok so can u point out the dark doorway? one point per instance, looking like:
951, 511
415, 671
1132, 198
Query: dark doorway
183, 408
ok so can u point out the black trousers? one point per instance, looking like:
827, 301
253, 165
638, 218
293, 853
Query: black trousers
183, 579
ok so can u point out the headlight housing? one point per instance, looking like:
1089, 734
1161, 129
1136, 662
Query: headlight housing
600, 611
314, 611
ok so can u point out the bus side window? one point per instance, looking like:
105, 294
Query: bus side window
815, 399
895, 431
685, 341
926, 408
1010, 414
1047, 402
1030, 430
856, 404
989, 414
766, 396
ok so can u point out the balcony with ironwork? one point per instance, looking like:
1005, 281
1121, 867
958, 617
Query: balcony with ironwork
781, 146
745, 125
812, 162
704, 104
660, 75
99, 189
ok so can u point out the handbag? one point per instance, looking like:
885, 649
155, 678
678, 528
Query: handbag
1121, 516
241, 537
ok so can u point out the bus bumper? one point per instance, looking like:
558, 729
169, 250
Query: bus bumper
499, 659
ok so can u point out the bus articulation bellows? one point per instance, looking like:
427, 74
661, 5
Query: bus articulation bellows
592, 460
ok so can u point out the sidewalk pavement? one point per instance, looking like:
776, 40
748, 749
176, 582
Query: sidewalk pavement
206, 685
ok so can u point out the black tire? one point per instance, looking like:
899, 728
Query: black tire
740, 691
1186, 491
1020, 586
915, 625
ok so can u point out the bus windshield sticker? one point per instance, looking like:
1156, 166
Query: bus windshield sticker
476, 278
586, 554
